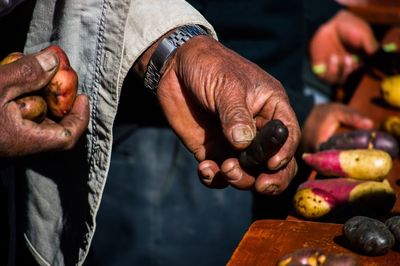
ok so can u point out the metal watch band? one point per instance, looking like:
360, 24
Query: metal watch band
165, 50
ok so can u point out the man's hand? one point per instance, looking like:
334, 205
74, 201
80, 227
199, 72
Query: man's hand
215, 100
336, 44
325, 119
20, 137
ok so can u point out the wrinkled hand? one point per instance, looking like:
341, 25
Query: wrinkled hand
334, 46
215, 100
20, 137
325, 119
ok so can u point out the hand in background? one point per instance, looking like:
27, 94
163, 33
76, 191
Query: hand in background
325, 119
215, 100
334, 47
19, 136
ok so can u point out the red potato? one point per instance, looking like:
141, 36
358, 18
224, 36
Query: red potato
317, 198
364, 164
61, 92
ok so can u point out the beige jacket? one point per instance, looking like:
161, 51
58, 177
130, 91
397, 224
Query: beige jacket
61, 192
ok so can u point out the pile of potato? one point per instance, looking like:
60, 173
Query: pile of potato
352, 167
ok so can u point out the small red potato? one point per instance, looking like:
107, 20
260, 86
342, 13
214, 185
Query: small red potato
61, 92
317, 198
362, 139
364, 164
33, 108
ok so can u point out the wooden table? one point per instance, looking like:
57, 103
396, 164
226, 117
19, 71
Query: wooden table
267, 240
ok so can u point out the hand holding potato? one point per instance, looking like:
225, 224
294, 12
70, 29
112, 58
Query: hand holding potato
215, 100
333, 46
19, 136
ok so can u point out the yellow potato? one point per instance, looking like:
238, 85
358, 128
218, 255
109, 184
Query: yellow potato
390, 89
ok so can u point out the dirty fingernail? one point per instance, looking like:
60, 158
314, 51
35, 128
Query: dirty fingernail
207, 174
242, 134
47, 60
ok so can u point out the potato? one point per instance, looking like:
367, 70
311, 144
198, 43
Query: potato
368, 235
315, 257
391, 125
61, 92
317, 198
268, 141
33, 108
390, 90
364, 164
362, 139
11, 58
393, 223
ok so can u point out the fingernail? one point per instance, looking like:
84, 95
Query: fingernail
234, 174
272, 189
47, 60
207, 173
281, 164
319, 69
242, 134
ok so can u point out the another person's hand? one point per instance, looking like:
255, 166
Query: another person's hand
325, 119
215, 100
19, 136
335, 47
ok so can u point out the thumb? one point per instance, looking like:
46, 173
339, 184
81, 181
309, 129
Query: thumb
29, 73
237, 121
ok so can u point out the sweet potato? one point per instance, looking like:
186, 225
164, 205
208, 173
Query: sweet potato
317, 198
368, 235
364, 164
390, 90
393, 223
362, 139
61, 92
267, 142
317, 257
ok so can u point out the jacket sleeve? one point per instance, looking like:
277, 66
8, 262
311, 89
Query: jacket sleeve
148, 20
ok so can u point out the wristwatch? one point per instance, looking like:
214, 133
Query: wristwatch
165, 50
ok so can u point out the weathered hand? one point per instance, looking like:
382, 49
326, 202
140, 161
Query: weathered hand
325, 119
19, 136
215, 100
336, 44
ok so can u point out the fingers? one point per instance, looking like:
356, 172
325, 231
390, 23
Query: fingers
48, 136
268, 183
29, 73
350, 117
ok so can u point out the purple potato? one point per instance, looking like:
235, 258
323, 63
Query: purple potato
393, 224
362, 139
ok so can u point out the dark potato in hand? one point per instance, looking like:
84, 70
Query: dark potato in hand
33, 108
61, 92
267, 143
370, 236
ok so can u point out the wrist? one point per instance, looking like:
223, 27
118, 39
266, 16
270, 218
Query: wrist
164, 50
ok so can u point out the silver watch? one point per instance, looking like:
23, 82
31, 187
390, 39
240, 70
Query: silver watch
165, 50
